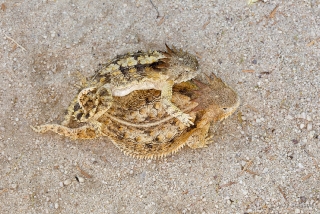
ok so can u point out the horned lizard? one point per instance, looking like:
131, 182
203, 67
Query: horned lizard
130, 72
139, 125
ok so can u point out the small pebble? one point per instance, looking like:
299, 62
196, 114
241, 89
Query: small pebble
303, 199
300, 165
67, 182
311, 134
14, 186
56, 205
297, 211
309, 127
81, 179
309, 118
265, 170
302, 126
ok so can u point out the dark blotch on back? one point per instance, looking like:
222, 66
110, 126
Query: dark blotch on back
124, 70
106, 77
141, 69
137, 54
76, 107
155, 66
79, 116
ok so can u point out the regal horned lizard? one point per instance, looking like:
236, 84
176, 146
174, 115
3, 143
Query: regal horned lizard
139, 125
137, 71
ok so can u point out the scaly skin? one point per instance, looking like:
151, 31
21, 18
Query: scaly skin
138, 71
139, 125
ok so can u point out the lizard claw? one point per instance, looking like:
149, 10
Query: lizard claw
186, 119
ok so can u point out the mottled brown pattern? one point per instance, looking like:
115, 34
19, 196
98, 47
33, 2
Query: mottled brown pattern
139, 125
135, 71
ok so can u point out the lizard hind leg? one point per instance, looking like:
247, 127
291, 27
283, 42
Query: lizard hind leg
84, 132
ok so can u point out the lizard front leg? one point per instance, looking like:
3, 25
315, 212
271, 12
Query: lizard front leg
94, 102
166, 95
198, 137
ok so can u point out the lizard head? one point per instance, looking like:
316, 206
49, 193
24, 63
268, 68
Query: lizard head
182, 66
216, 99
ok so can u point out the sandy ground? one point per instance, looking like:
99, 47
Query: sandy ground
264, 159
